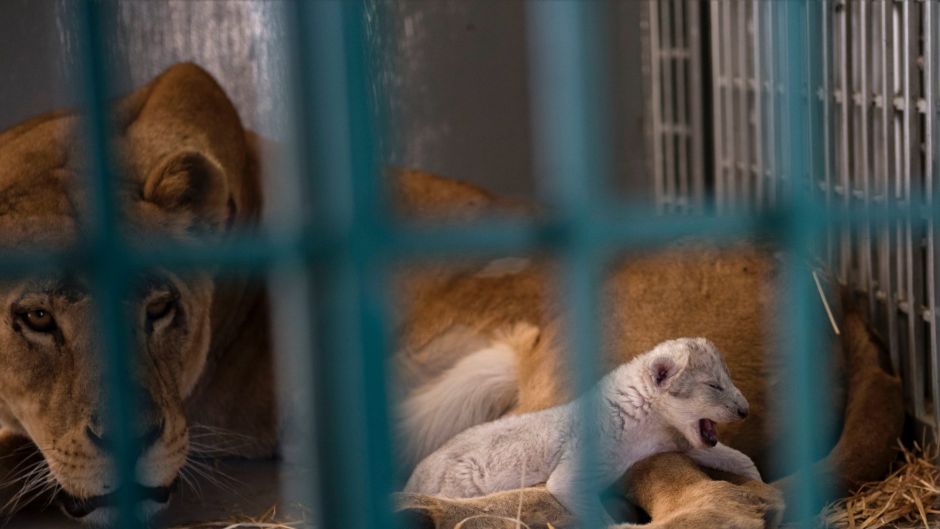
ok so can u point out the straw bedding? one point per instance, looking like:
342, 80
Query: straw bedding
268, 520
908, 498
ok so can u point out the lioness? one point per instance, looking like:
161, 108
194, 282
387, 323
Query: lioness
186, 164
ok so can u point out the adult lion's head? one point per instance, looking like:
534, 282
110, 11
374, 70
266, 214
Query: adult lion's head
181, 160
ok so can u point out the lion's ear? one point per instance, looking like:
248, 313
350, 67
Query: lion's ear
189, 183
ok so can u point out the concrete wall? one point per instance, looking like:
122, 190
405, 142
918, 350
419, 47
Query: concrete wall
455, 74
31, 76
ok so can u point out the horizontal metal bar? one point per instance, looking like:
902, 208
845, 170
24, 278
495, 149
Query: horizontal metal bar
619, 228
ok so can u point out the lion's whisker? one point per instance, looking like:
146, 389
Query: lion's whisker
213, 476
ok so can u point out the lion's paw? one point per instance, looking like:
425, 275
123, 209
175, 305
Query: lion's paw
752, 505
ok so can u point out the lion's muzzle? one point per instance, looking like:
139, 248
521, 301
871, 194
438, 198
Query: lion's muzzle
79, 508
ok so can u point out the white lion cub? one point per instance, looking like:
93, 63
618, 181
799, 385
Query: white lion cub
667, 399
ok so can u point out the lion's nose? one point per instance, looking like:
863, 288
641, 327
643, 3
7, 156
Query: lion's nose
104, 441
742, 412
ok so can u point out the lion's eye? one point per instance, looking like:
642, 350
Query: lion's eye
39, 320
160, 308
716, 387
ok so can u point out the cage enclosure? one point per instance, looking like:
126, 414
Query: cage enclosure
274, 236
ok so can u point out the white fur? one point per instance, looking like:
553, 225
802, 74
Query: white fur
479, 388
637, 417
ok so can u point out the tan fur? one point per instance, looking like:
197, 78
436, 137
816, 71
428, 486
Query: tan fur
726, 294
223, 376
185, 165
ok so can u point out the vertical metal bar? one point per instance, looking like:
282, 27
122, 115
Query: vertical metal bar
857, 273
932, 174
758, 87
844, 166
681, 131
738, 36
773, 164
286, 190
669, 99
862, 45
875, 163
371, 264
656, 91
109, 266
353, 448
289, 282
815, 74
896, 182
912, 277
695, 97
825, 96
803, 386
727, 39
868, 154
885, 151
781, 102
567, 72
718, 132
897, 147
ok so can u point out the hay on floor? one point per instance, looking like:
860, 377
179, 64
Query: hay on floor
268, 520
909, 497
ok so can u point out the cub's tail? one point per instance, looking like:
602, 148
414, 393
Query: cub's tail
480, 387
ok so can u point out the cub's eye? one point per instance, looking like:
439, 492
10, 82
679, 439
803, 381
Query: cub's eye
160, 308
716, 387
39, 320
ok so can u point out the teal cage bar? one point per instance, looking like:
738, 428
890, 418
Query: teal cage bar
352, 240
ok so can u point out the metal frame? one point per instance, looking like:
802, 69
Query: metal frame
676, 125
345, 252
876, 89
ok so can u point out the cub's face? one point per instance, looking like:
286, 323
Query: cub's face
52, 387
696, 390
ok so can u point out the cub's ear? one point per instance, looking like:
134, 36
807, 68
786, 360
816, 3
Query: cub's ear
192, 185
665, 369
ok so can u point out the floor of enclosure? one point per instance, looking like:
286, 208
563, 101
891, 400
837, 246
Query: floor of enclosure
255, 490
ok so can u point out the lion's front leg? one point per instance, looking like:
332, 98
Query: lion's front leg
534, 506
677, 494
22, 476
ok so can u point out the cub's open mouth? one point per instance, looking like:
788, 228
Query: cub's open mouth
82, 507
709, 433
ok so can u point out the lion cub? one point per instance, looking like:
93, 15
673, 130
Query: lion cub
667, 399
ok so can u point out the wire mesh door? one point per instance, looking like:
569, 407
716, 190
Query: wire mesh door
762, 101
876, 93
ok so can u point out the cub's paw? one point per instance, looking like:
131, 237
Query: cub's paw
749, 471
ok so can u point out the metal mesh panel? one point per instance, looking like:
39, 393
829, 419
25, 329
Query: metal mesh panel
675, 66
876, 91
763, 125
743, 91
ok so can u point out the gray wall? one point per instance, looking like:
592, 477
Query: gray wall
31, 77
455, 74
